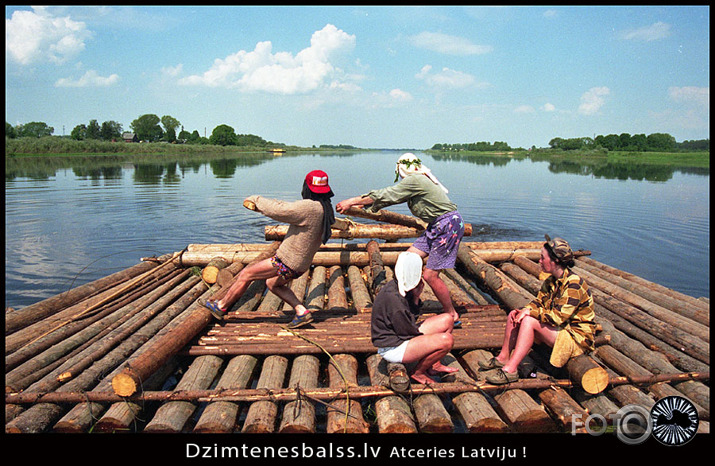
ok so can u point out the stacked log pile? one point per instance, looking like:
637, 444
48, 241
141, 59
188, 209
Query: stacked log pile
70, 358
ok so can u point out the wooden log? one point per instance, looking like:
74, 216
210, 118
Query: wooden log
299, 415
678, 306
658, 363
50, 306
344, 416
469, 289
51, 380
508, 292
221, 417
39, 329
298, 286
523, 413
475, 410
41, 417
628, 394
432, 416
261, 416
377, 268
328, 393
337, 299
164, 346
587, 373
622, 364
171, 417
120, 417
392, 413
158, 302
564, 409
111, 316
385, 232
678, 338
648, 284
128, 381
387, 216
211, 271
360, 295
674, 355
315, 298
665, 315
514, 245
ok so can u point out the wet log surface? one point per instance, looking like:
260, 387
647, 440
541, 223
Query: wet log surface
253, 350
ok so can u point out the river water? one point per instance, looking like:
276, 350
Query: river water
70, 221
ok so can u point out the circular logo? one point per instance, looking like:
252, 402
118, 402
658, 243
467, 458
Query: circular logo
633, 425
675, 420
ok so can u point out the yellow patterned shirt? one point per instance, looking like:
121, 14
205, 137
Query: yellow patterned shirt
566, 303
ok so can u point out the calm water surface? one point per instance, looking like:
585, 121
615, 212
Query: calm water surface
72, 224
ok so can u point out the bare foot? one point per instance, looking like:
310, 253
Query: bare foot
421, 378
442, 369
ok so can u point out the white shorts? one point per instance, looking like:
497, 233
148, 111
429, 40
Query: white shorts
393, 353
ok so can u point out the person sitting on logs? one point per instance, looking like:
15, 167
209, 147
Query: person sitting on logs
310, 221
561, 316
427, 199
394, 329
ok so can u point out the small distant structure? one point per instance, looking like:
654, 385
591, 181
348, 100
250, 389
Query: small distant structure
130, 137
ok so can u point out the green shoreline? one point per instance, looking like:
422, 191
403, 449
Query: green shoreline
49, 147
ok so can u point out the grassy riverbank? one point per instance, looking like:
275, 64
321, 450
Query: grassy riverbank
56, 146
695, 159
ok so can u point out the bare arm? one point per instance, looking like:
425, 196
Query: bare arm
361, 201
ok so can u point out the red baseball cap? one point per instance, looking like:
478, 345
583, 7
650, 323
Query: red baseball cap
317, 181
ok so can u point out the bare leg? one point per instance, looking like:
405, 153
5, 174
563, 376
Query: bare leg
438, 287
279, 286
441, 323
262, 270
529, 331
427, 350
441, 291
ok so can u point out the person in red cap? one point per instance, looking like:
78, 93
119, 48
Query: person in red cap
310, 221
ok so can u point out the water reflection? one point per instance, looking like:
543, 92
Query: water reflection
597, 167
169, 169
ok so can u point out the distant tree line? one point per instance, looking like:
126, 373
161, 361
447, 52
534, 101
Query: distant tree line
148, 127
661, 142
655, 142
473, 146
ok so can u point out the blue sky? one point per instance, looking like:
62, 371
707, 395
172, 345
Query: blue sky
368, 76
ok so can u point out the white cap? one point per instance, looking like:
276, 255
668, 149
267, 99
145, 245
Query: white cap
408, 271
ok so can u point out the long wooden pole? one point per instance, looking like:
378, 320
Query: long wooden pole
327, 393
388, 217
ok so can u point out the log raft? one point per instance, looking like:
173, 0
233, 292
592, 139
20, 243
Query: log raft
67, 375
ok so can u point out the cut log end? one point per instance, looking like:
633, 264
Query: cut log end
124, 384
212, 269
587, 373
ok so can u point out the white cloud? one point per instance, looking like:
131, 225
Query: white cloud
650, 33
547, 107
524, 109
447, 78
450, 45
592, 100
697, 96
89, 79
36, 36
262, 70
400, 95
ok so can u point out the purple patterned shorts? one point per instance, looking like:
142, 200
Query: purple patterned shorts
283, 270
441, 240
